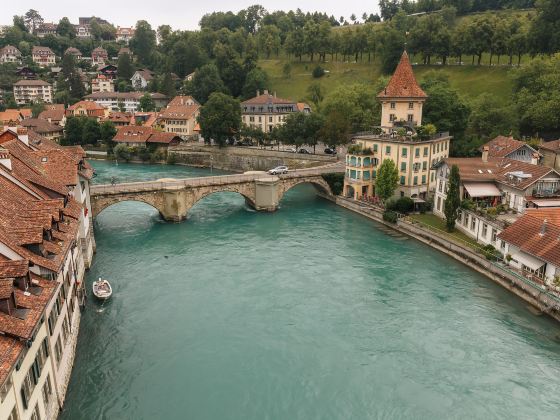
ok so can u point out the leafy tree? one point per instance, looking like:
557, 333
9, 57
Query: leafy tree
393, 42
490, 117
336, 129
269, 40
168, 86
220, 118
91, 133
256, 79
444, 107
146, 103
314, 122
33, 20
122, 152
65, 28
143, 43
37, 108
107, 131
315, 94
19, 23
453, 200
73, 131
356, 103
293, 131
125, 68
206, 80
387, 179
287, 71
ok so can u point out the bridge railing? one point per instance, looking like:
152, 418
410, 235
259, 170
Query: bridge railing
205, 181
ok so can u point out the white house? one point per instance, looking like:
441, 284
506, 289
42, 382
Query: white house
141, 78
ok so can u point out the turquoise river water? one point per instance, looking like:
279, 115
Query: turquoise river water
311, 312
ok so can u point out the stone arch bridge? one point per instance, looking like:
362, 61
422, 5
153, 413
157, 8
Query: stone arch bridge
173, 198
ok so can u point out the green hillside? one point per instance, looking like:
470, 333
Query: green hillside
470, 81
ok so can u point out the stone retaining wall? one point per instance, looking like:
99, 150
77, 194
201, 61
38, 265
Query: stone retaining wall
238, 159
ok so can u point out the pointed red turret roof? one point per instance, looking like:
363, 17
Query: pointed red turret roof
403, 83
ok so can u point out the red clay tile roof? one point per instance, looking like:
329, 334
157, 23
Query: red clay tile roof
10, 115
38, 49
525, 234
12, 269
267, 98
182, 100
403, 83
502, 146
27, 82
552, 215
55, 115
141, 134
499, 170
41, 126
10, 351
178, 112
552, 145
26, 112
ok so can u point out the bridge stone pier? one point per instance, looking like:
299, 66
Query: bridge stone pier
173, 198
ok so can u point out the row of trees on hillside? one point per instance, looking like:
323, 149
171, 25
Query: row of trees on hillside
389, 8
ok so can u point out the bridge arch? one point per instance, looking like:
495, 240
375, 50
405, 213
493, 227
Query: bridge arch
102, 203
248, 193
318, 182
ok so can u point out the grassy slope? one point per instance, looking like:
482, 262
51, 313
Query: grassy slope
470, 81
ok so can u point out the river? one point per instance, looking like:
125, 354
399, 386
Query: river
311, 312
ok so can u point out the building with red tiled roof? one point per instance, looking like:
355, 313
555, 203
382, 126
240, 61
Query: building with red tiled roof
99, 56
533, 244
87, 109
44, 128
45, 239
551, 154
141, 78
266, 111
10, 117
142, 136
179, 119
490, 181
403, 98
56, 116
10, 54
27, 91
508, 147
183, 100
43, 56
74, 51
119, 119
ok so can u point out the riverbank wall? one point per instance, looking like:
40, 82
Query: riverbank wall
535, 295
241, 159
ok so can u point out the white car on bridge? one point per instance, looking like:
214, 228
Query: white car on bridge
279, 170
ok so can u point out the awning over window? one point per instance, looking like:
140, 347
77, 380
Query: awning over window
482, 189
546, 203
528, 260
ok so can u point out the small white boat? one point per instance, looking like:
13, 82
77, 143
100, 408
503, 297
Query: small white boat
102, 289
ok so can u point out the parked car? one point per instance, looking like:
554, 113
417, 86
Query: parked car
330, 151
304, 151
279, 170
292, 149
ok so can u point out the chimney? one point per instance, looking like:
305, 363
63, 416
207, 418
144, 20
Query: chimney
258, 92
275, 94
22, 135
485, 154
5, 160
535, 159
266, 91
543, 228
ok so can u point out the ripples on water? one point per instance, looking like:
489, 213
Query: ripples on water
307, 313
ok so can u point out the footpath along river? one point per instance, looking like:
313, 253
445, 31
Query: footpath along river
311, 312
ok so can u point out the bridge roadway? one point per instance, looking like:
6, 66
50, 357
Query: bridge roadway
173, 198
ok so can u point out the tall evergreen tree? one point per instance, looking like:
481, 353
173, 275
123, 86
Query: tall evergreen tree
125, 68
453, 200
